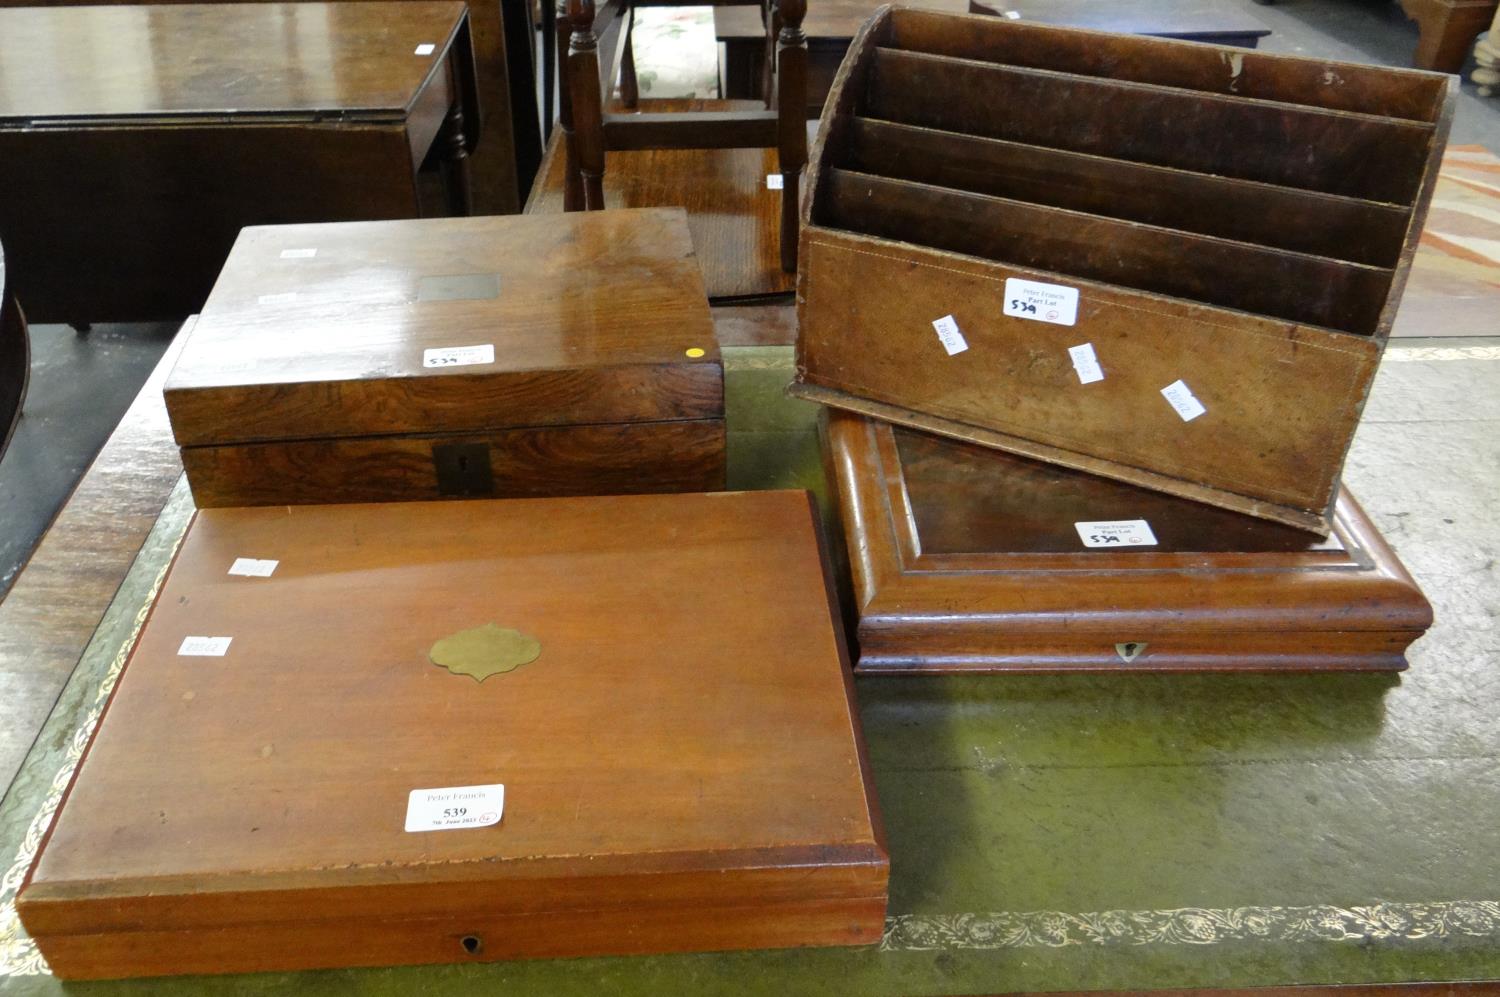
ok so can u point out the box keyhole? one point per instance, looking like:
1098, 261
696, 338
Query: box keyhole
463, 469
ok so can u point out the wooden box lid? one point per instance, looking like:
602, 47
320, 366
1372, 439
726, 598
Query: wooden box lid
316, 331
965, 558
682, 762
1224, 235
365, 61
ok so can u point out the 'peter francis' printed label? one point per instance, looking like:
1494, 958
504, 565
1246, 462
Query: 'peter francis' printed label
1031, 299
454, 808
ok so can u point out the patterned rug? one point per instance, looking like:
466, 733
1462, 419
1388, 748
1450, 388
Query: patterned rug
1454, 288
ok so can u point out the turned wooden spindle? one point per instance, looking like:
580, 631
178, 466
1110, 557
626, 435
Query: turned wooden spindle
458, 178
791, 109
588, 112
630, 90
771, 18
572, 183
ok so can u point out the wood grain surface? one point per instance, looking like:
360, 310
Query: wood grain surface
210, 121
965, 559
308, 377
733, 217
591, 319
203, 60
609, 459
285, 815
1174, 288
1241, 368
151, 233
505, 163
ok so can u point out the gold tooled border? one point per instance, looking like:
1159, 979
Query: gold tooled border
18, 953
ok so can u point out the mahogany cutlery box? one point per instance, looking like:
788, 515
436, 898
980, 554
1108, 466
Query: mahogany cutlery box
497, 356
1169, 263
681, 759
968, 559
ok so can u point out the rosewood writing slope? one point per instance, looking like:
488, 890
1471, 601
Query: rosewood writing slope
514, 356
682, 763
968, 559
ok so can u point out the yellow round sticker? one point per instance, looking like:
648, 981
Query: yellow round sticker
695, 352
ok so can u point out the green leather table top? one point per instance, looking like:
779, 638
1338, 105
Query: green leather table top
1108, 831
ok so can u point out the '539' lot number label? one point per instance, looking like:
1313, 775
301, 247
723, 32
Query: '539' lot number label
1116, 533
454, 808
1055, 303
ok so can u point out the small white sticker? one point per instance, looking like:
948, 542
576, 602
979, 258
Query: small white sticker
1086, 363
948, 333
276, 299
1116, 533
454, 808
298, 254
1180, 397
252, 568
1014, 15
204, 647
426, 48
1040, 302
458, 356
773, 181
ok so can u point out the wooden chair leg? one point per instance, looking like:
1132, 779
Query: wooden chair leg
587, 107
630, 91
770, 15
791, 122
457, 176
549, 67
572, 179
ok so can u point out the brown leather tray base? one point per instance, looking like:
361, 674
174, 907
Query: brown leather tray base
967, 559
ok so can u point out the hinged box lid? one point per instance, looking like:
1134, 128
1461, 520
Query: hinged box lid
450, 325
677, 750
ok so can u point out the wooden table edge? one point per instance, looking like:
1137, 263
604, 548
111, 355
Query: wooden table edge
84, 555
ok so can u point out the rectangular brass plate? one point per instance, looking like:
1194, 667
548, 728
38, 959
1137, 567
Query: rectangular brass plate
459, 287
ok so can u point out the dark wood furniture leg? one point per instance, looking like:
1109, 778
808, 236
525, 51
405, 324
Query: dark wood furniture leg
630, 90
770, 11
549, 68
457, 176
587, 123
572, 179
791, 132
1449, 28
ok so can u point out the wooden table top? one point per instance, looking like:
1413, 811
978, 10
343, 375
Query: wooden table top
1014, 807
172, 60
840, 19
